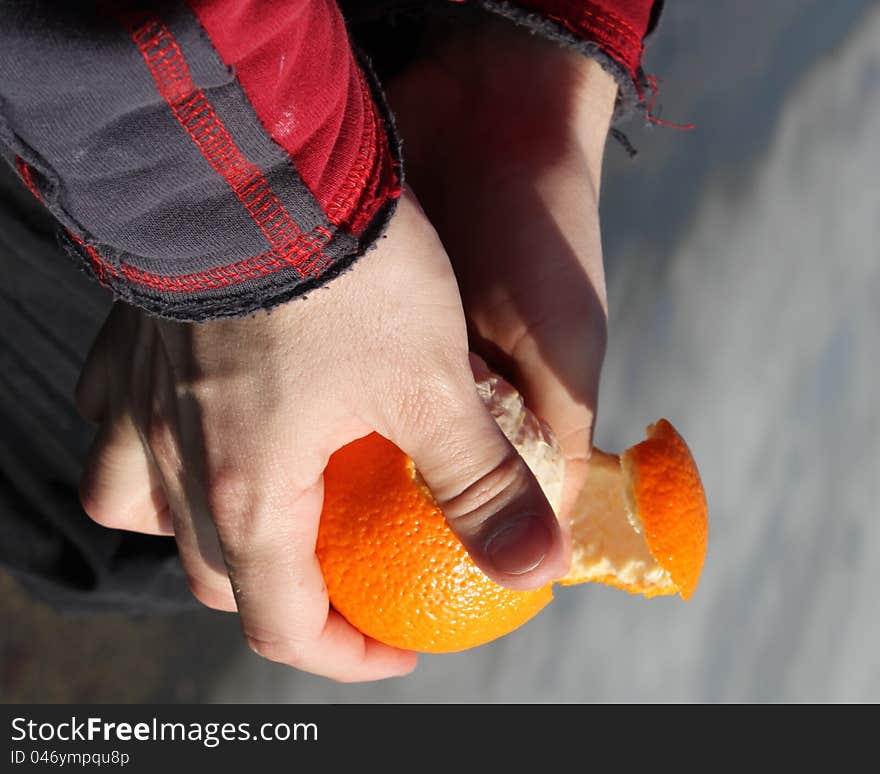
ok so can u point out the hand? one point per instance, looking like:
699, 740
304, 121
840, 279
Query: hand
504, 137
219, 433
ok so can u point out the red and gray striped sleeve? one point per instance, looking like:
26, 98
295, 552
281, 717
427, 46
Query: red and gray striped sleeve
210, 158
205, 159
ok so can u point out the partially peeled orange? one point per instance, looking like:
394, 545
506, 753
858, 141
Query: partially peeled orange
396, 571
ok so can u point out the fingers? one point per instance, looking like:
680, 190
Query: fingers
94, 386
267, 530
565, 398
489, 497
340, 652
119, 487
136, 487
245, 524
179, 461
253, 483
202, 557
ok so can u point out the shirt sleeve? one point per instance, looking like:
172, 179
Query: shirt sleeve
613, 32
204, 159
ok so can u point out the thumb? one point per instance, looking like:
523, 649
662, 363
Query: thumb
490, 498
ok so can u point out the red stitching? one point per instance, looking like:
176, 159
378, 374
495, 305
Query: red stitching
357, 196
654, 85
617, 49
195, 114
572, 9
352, 189
99, 265
625, 44
582, 17
371, 179
221, 276
24, 172
384, 172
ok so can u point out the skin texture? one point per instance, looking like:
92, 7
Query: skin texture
219, 433
506, 156
238, 419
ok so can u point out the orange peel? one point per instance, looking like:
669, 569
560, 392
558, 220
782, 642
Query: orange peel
395, 570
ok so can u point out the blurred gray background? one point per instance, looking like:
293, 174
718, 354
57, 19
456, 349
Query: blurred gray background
744, 286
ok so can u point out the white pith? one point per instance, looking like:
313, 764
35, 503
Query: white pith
608, 540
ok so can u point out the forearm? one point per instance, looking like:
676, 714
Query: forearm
547, 100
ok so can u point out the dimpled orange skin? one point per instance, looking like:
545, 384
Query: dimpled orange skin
671, 504
392, 566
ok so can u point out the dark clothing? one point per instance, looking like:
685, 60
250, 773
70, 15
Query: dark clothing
210, 158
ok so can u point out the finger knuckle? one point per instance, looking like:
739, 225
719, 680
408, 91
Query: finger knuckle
97, 507
433, 405
101, 515
287, 651
227, 492
210, 595
485, 491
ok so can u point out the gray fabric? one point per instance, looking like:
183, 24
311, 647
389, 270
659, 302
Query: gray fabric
84, 107
49, 314
270, 290
78, 104
85, 110
243, 298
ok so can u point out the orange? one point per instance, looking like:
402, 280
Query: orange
396, 571
641, 521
